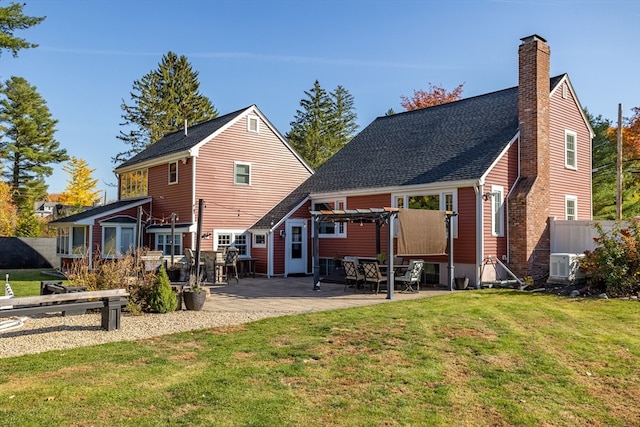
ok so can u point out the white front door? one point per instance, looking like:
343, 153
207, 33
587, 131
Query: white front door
296, 247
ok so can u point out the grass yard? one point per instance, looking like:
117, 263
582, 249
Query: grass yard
478, 358
26, 283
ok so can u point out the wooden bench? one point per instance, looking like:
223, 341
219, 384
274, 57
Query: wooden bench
110, 302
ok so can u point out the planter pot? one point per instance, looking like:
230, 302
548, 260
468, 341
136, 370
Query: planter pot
194, 300
461, 282
174, 275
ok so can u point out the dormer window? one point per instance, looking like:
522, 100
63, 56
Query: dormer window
173, 173
253, 124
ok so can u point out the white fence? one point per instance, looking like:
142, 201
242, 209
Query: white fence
574, 237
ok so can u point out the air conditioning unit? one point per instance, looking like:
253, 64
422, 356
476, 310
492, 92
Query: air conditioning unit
565, 267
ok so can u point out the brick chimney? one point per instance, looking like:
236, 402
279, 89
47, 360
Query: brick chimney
529, 204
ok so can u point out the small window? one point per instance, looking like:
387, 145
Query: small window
570, 208
570, 150
173, 173
497, 211
253, 124
565, 91
236, 238
260, 240
163, 243
243, 173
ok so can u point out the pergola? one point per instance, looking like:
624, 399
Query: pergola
379, 216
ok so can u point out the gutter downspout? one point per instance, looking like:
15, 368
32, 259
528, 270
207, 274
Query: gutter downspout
90, 247
479, 190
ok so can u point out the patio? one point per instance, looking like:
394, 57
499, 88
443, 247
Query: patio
295, 295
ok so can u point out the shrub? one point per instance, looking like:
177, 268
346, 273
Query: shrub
614, 266
162, 298
122, 273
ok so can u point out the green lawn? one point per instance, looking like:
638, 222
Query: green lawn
478, 358
27, 282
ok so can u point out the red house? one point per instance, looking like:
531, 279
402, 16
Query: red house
505, 162
238, 164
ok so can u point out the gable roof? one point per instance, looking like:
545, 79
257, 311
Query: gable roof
177, 141
453, 142
87, 217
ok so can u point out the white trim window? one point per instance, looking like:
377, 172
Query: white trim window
163, 243
497, 210
118, 239
570, 208
570, 150
330, 228
259, 240
224, 239
242, 173
71, 241
173, 173
253, 124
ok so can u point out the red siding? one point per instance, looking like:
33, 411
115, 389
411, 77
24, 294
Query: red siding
504, 174
275, 172
566, 115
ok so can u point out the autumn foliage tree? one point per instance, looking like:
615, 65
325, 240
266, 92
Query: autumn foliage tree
8, 211
436, 95
81, 187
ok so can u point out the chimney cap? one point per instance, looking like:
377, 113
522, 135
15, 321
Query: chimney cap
532, 38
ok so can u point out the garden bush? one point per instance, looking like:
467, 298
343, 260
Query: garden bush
122, 273
614, 266
162, 298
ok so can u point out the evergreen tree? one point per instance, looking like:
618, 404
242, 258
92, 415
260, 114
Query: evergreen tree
28, 225
12, 19
161, 102
27, 147
324, 124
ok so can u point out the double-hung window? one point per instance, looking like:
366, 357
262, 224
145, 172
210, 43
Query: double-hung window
570, 150
570, 208
497, 210
163, 243
242, 173
236, 238
173, 173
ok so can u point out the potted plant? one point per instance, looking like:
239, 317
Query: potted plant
195, 296
461, 282
381, 257
174, 271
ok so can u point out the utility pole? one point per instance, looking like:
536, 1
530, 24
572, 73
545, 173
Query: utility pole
619, 174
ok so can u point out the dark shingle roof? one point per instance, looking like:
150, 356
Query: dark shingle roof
99, 211
450, 142
177, 141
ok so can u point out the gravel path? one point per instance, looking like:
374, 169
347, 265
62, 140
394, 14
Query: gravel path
57, 332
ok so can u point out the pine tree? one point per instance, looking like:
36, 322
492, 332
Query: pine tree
28, 147
81, 187
325, 123
11, 19
161, 102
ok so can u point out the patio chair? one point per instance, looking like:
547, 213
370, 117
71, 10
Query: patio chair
191, 261
353, 275
412, 276
231, 262
372, 275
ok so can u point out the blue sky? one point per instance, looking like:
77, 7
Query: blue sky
269, 52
